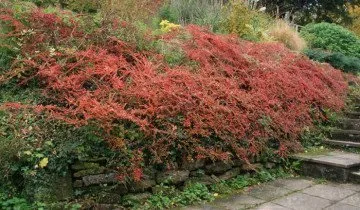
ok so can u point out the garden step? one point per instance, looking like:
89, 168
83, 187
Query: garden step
345, 135
342, 143
332, 165
354, 177
350, 124
353, 115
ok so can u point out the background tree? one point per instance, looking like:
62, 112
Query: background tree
305, 11
355, 15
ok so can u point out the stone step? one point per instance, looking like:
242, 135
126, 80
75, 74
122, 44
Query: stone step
356, 108
332, 165
353, 115
349, 124
345, 135
354, 177
342, 143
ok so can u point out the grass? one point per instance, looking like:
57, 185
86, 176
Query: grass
283, 33
314, 151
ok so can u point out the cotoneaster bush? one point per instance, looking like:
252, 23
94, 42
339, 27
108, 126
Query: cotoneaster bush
228, 105
332, 37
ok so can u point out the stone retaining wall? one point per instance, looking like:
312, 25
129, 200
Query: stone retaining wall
91, 179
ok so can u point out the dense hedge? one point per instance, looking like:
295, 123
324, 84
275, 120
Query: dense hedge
332, 37
337, 60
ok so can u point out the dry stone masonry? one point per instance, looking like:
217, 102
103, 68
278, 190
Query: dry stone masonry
91, 179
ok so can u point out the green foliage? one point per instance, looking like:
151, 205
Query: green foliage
194, 193
199, 12
337, 60
159, 201
164, 199
90, 6
33, 149
15, 203
247, 23
44, 3
6, 57
242, 181
311, 138
332, 37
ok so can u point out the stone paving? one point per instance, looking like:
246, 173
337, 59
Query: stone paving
292, 193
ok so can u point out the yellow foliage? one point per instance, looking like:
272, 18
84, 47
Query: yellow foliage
43, 162
283, 33
355, 26
246, 23
166, 26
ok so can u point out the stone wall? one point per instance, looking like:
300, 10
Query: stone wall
92, 180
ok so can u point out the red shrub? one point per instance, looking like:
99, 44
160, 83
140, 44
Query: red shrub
241, 95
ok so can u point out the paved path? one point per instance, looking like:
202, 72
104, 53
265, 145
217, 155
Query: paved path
293, 193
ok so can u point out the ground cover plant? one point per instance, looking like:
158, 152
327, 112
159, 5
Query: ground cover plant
145, 96
228, 100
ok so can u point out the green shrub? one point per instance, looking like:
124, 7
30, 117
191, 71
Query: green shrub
44, 2
199, 12
332, 37
248, 24
337, 60
82, 5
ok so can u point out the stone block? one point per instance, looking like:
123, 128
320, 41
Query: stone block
109, 198
84, 165
205, 179
328, 192
269, 165
341, 206
292, 183
268, 192
324, 171
192, 165
90, 171
142, 185
236, 201
218, 168
197, 173
172, 177
137, 198
230, 174
78, 183
100, 179
353, 200
120, 188
252, 167
301, 201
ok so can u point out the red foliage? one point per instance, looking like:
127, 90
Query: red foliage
240, 95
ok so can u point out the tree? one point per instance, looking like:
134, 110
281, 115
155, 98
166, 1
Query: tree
355, 15
305, 11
